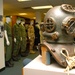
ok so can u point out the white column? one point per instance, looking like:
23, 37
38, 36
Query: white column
2, 57
38, 17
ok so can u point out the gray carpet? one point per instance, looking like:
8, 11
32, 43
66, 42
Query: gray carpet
17, 69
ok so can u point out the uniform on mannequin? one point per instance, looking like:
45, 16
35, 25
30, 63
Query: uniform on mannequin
31, 36
22, 25
23, 38
8, 20
18, 23
37, 35
17, 39
8, 42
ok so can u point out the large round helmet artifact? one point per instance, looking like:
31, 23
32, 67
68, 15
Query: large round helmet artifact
59, 32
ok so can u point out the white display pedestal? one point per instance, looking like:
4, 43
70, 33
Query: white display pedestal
36, 67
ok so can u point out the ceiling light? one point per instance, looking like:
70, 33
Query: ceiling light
23, 0
22, 13
34, 17
44, 13
42, 7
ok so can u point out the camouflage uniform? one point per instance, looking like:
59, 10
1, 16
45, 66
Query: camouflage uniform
8, 48
17, 35
31, 36
23, 36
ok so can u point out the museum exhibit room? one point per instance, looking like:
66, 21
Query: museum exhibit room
37, 37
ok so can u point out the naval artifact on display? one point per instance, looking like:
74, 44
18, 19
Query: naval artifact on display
59, 36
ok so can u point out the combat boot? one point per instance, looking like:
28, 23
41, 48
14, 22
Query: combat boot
23, 54
16, 58
32, 52
8, 64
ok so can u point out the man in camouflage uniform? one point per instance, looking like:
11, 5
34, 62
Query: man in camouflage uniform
31, 36
23, 38
8, 42
17, 39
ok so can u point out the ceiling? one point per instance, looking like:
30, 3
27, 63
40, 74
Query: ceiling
13, 7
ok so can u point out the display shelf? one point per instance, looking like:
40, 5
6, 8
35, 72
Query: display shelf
36, 67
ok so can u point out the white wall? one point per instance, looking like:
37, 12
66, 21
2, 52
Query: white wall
38, 17
2, 58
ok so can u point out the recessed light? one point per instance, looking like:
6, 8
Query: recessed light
22, 13
23, 0
34, 17
42, 7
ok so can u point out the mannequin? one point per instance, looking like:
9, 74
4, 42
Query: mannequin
8, 42
17, 39
23, 38
31, 36
17, 22
37, 35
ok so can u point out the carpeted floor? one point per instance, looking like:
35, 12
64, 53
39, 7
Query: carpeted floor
17, 69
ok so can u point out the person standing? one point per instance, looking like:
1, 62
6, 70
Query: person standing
8, 42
